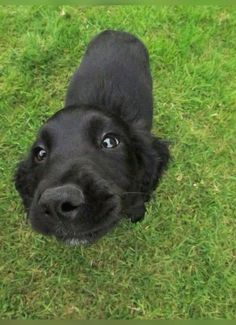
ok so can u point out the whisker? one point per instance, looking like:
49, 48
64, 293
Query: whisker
150, 195
124, 193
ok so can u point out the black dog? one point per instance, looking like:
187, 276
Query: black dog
95, 160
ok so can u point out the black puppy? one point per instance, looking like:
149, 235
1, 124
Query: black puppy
95, 160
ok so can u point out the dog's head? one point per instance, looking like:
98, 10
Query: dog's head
85, 171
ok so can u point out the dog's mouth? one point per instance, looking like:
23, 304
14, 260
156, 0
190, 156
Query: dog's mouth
71, 235
75, 236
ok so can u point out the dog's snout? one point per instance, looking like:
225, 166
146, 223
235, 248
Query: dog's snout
62, 202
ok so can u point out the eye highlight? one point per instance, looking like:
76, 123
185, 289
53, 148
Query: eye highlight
110, 141
39, 154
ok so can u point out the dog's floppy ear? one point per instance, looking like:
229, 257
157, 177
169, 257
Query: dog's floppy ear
24, 181
151, 156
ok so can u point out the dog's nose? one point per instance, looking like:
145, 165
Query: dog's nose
63, 201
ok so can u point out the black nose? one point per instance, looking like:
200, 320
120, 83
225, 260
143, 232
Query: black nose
63, 201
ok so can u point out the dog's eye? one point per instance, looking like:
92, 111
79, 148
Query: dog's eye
110, 141
40, 154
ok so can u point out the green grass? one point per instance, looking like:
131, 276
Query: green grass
180, 262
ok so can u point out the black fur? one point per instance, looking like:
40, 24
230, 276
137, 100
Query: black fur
91, 187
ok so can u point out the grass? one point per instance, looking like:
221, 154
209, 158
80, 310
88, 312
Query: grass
180, 262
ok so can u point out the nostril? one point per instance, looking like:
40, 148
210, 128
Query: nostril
47, 212
68, 207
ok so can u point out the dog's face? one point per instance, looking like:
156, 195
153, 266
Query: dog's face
75, 182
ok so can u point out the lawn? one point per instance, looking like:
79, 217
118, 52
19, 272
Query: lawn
180, 262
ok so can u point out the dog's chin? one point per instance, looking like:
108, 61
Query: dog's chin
76, 242
73, 238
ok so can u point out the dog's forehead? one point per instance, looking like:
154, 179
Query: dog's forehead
77, 124
76, 118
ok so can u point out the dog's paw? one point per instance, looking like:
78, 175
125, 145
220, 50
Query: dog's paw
136, 213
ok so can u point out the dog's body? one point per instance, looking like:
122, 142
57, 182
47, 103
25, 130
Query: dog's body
95, 160
114, 74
